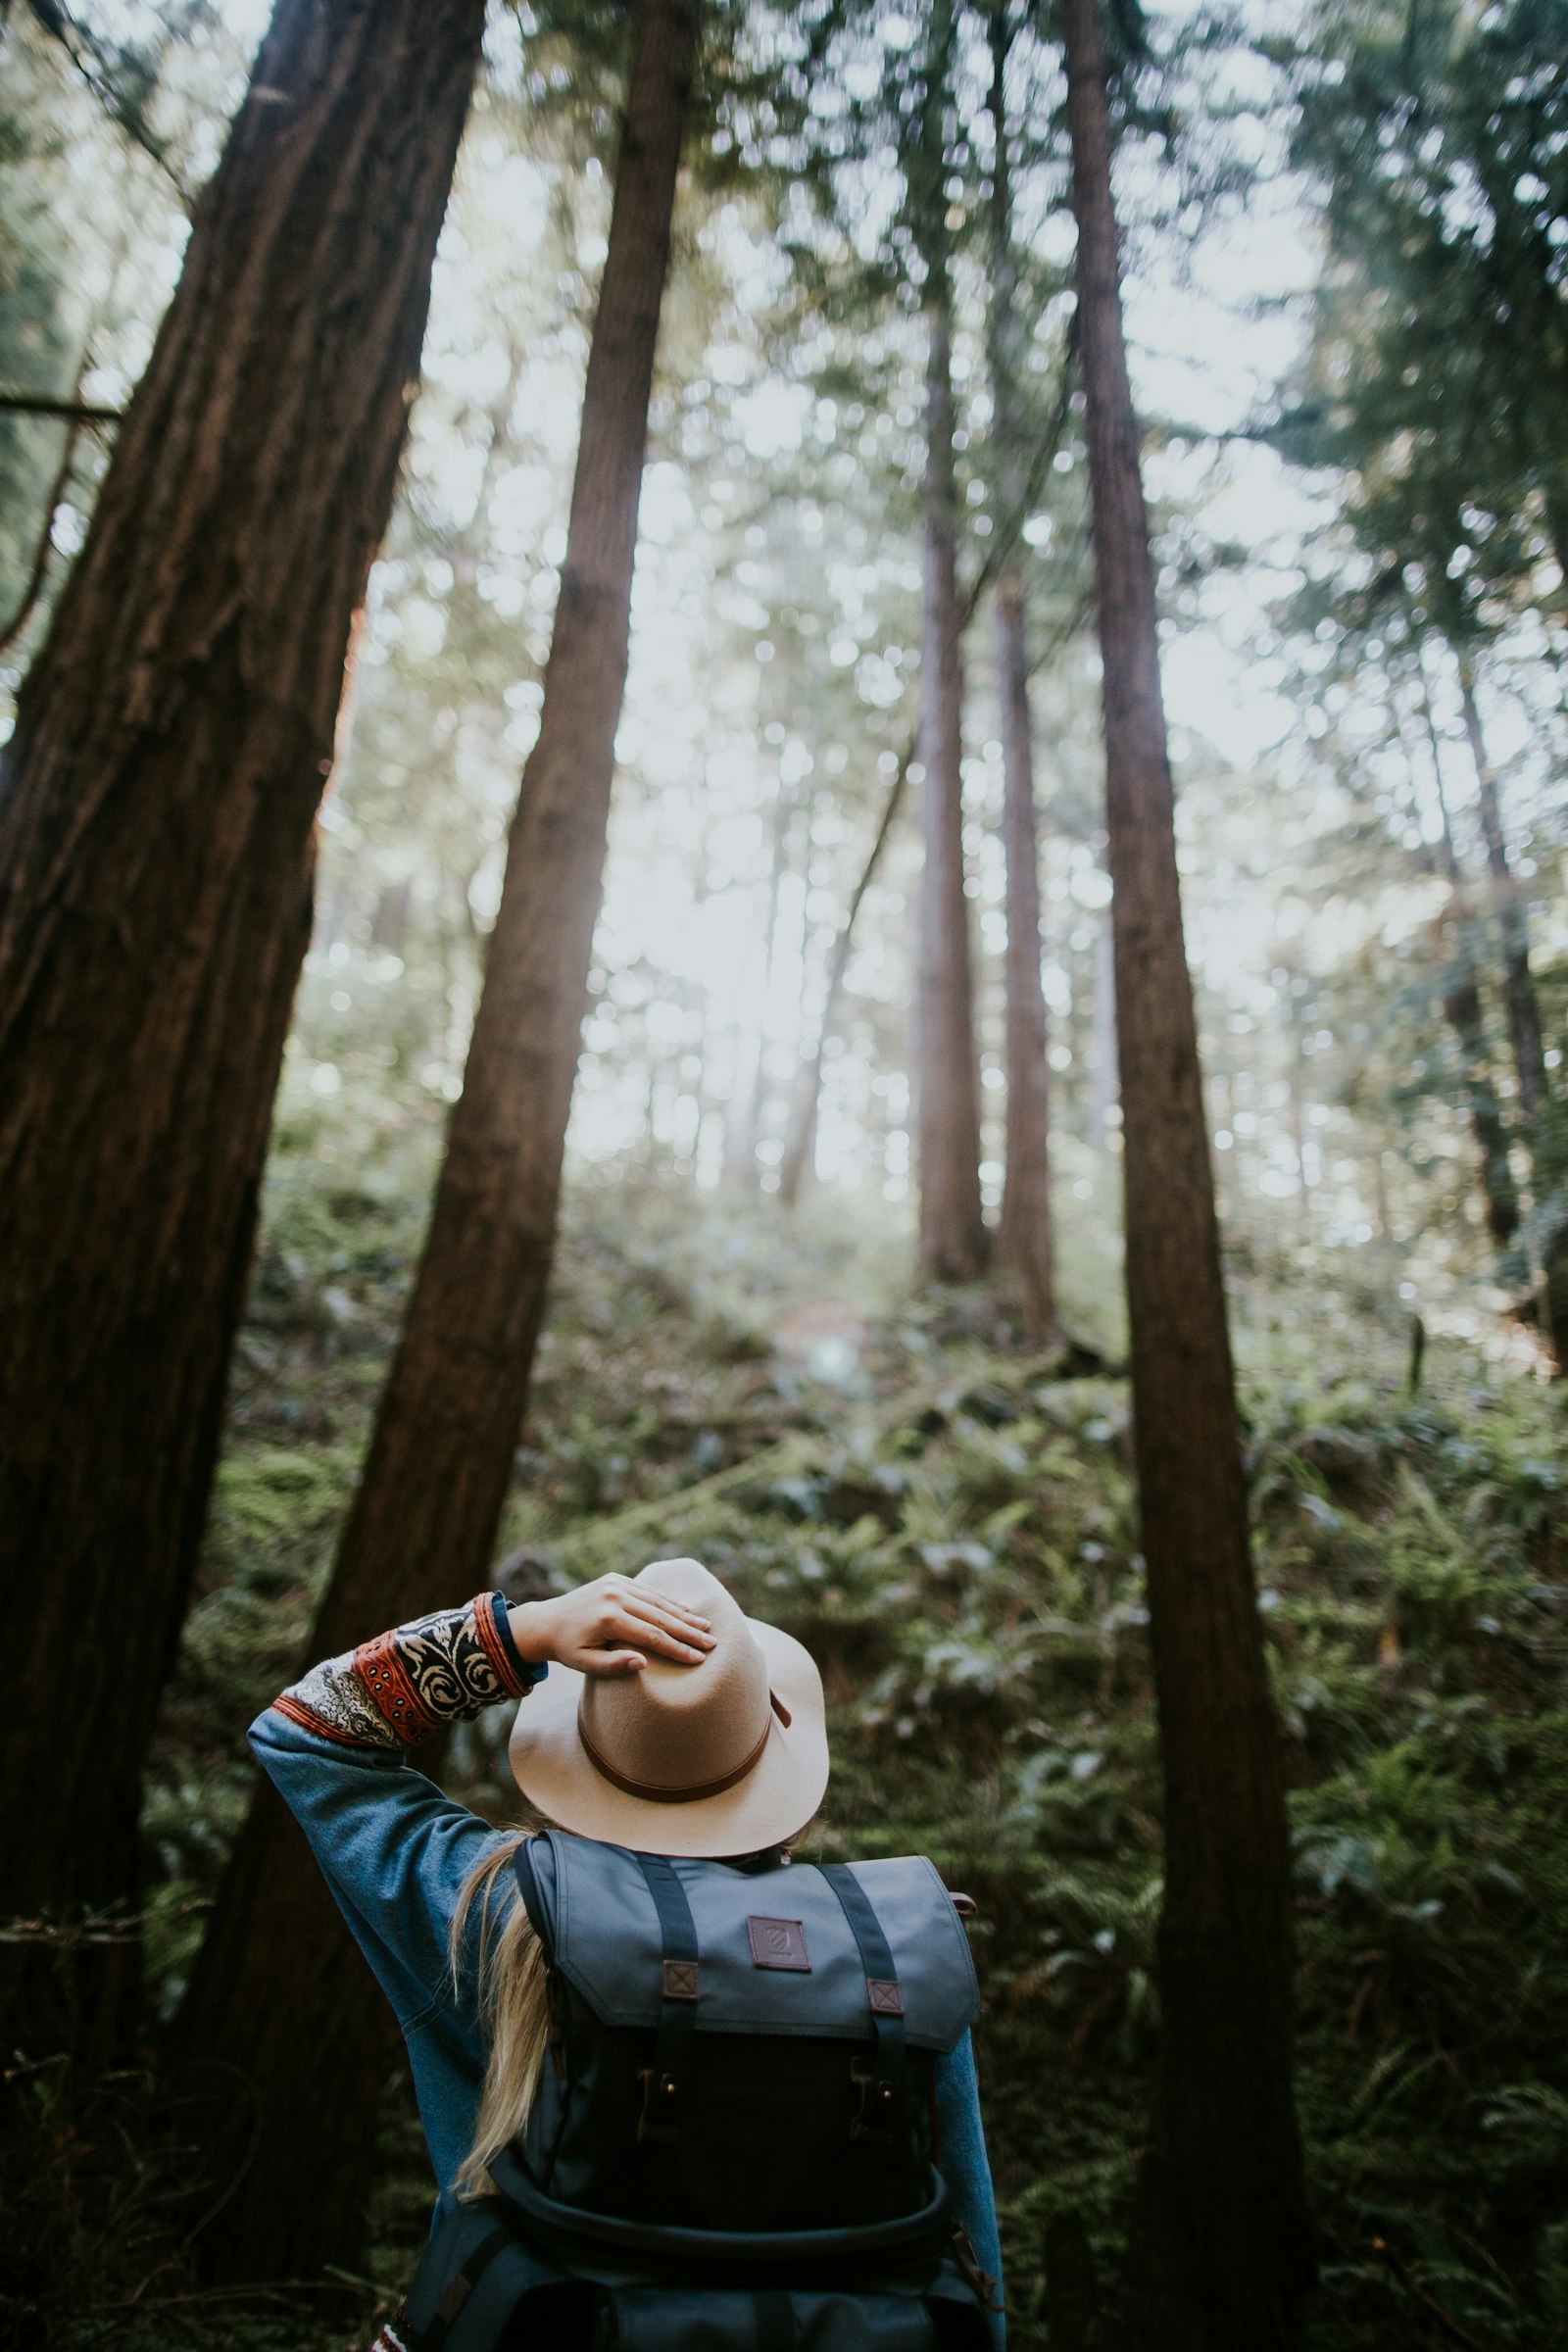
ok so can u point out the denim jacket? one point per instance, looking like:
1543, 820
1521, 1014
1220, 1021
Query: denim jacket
396, 1852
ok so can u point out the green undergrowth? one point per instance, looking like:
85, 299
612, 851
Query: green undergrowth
947, 1522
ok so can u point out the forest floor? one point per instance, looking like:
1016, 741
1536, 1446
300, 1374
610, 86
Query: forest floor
947, 1522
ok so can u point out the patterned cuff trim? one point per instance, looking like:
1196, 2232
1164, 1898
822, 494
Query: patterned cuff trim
518, 1674
307, 1720
395, 1690
392, 1691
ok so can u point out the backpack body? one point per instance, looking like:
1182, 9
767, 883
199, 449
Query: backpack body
732, 2145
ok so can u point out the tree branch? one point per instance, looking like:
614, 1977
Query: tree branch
71, 412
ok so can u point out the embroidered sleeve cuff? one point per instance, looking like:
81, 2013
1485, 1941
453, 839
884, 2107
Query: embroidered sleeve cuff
395, 1690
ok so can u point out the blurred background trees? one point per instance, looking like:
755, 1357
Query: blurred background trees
851, 999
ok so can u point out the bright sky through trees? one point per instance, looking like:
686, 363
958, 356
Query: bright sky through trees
717, 722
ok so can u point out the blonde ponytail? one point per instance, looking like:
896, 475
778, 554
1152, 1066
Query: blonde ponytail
515, 2006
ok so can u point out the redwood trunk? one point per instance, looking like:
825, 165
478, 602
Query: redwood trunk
157, 801
1462, 1010
1024, 1235
281, 1995
1518, 983
1546, 1120
954, 1241
1221, 2247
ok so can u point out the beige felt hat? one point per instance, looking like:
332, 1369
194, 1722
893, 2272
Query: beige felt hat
728, 1756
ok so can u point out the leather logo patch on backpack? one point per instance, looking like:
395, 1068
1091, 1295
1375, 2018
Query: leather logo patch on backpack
777, 1944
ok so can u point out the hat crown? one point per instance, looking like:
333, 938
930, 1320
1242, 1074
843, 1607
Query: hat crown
682, 1730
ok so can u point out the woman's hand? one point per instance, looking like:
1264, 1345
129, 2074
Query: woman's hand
611, 1626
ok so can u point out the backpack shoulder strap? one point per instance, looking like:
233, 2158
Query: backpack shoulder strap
532, 1900
677, 2008
881, 2086
475, 2275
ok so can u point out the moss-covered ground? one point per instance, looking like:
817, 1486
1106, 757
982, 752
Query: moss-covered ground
948, 1523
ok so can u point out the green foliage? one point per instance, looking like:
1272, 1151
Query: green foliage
953, 1530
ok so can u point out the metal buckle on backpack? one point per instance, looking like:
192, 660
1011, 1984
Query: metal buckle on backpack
665, 2090
873, 2118
975, 2271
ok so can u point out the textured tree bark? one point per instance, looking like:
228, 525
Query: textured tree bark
1462, 1010
1518, 982
1025, 1233
1221, 2250
1545, 1117
279, 1996
954, 1241
1103, 1092
157, 808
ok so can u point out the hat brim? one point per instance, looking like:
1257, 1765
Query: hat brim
778, 1795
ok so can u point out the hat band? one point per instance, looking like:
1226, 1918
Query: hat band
672, 1796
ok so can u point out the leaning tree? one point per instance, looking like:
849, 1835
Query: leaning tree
278, 2000
158, 800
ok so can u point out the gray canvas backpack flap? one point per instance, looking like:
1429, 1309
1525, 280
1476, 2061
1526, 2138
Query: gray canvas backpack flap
733, 2144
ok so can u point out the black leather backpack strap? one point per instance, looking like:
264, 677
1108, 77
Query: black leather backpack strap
460, 2286
882, 2086
532, 1900
677, 2010
473, 2278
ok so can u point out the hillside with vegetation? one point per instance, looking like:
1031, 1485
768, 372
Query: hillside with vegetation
948, 1523
784, 782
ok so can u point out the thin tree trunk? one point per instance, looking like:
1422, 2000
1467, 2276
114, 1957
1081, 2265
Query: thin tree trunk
803, 1105
1296, 1088
1025, 1233
1024, 1236
800, 1135
1519, 987
954, 1241
38, 573
1003, 537
279, 1997
742, 1160
1103, 1090
1221, 2250
1545, 1117
1462, 1010
158, 801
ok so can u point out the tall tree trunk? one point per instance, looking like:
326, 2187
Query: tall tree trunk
742, 1158
1461, 1006
279, 1997
1102, 1089
802, 1114
1221, 2252
157, 801
1462, 1010
1518, 983
803, 1105
1023, 1235
1545, 1117
798, 1159
954, 1241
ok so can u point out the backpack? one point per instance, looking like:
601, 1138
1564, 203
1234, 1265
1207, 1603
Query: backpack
732, 2146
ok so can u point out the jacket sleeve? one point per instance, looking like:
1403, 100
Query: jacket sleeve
967, 2169
393, 1848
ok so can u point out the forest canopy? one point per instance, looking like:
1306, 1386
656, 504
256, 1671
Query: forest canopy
785, 781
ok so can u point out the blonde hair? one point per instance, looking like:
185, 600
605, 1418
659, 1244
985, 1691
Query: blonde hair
514, 2007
